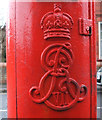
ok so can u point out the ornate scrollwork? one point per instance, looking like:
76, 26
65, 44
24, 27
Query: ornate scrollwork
61, 92
56, 88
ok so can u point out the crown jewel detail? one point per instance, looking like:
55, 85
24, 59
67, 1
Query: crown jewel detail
56, 23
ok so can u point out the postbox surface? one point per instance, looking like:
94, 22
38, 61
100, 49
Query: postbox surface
51, 60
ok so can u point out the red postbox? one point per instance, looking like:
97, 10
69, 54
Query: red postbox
51, 63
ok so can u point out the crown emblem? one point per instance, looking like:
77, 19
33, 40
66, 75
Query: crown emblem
56, 23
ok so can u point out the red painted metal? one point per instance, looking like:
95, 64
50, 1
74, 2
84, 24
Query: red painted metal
51, 60
85, 26
11, 63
